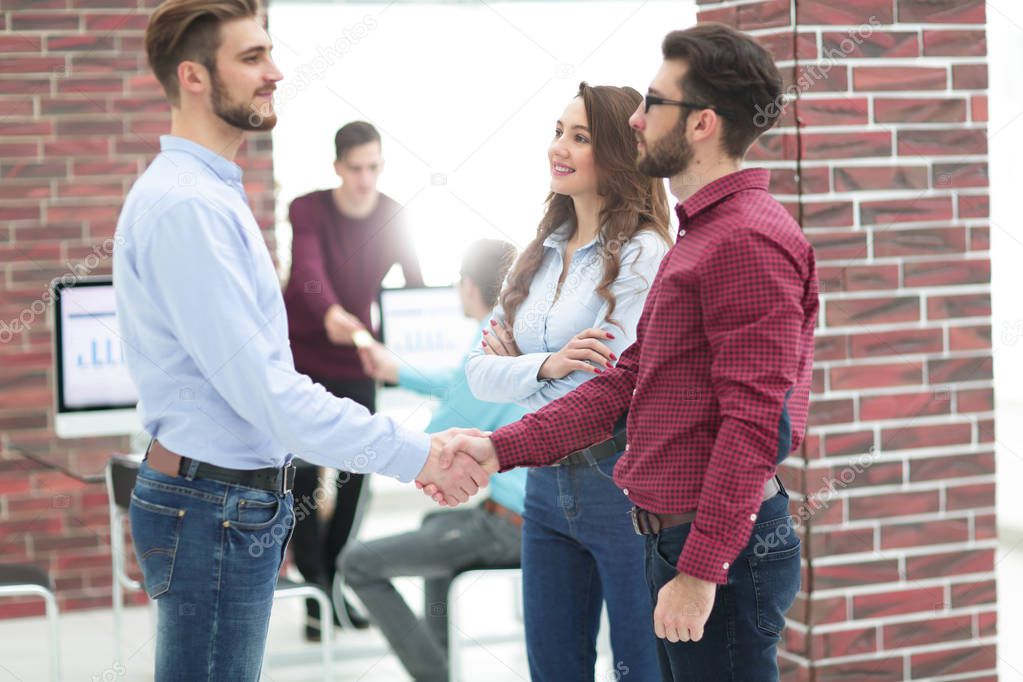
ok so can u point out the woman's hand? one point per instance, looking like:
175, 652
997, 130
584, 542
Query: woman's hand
499, 340
578, 354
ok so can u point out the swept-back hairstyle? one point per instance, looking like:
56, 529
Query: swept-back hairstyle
631, 201
731, 71
189, 30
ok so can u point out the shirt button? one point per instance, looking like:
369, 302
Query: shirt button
625, 490
633, 392
626, 447
752, 517
725, 565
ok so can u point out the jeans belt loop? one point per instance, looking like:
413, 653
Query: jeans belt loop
193, 468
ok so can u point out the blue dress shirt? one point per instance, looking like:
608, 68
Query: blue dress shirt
458, 408
205, 333
547, 320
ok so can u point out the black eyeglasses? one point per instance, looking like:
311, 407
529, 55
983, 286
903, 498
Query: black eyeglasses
652, 100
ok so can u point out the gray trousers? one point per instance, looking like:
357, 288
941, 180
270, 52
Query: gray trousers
446, 542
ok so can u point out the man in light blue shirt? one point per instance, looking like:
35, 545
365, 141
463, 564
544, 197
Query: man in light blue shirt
205, 334
448, 541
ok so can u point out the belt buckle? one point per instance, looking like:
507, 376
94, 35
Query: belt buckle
644, 523
634, 514
287, 478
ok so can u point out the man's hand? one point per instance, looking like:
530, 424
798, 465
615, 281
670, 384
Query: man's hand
340, 325
476, 446
379, 363
500, 340
459, 478
683, 607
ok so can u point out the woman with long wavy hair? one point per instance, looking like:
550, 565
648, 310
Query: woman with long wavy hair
569, 307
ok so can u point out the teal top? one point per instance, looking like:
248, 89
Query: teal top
459, 408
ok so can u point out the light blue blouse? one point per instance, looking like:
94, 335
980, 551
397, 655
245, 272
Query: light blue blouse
547, 320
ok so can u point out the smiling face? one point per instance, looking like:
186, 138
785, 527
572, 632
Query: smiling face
573, 167
661, 141
244, 77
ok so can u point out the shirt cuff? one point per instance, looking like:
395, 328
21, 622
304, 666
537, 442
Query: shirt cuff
411, 449
704, 558
512, 446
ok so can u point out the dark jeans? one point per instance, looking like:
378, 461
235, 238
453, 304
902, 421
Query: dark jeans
579, 552
315, 548
740, 638
209, 554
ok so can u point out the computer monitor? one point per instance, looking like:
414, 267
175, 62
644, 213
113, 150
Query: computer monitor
95, 395
425, 326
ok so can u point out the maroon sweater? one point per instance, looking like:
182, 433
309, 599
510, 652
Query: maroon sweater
339, 259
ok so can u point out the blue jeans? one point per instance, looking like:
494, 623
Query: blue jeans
209, 554
578, 552
741, 636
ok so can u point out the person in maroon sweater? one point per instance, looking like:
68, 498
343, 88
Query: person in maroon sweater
345, 241
717, 383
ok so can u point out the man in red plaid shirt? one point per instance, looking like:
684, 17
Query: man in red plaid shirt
717, 384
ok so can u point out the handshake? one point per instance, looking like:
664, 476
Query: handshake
460, 462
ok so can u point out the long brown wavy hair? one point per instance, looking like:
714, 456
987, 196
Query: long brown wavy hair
631, 201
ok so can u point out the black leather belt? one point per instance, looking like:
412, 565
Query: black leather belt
595, 453
648, 523
172, 464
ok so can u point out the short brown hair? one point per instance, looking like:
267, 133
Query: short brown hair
354, 134
189, 30
731, 72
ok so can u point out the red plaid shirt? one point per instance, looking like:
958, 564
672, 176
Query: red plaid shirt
717, 383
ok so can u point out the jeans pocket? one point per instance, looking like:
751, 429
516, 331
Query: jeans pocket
155, 531
256, 511
775, 584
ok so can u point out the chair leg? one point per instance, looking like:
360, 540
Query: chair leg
326, 633
53, 619
454, 637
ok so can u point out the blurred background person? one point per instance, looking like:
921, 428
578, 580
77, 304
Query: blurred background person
569, 309
448, 541
345, 241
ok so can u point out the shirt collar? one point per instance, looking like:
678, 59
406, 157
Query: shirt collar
227, 171
722, 188
556, 240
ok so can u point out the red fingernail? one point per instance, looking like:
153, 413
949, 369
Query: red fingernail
493, 323
485, 332
598, 371
613, 356
484, 344
610, 335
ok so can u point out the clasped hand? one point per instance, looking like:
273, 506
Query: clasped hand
451, 474
467, 452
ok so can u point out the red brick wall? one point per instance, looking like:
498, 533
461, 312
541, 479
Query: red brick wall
80, 117
882, 155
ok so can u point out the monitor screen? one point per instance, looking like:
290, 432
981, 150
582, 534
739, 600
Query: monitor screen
94, 390
426, 327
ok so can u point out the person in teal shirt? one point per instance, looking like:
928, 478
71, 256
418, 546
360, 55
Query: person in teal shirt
448, 541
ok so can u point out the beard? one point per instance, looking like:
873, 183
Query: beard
669, 156
238, 115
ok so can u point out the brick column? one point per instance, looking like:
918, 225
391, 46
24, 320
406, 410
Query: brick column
882, 156
80, 115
